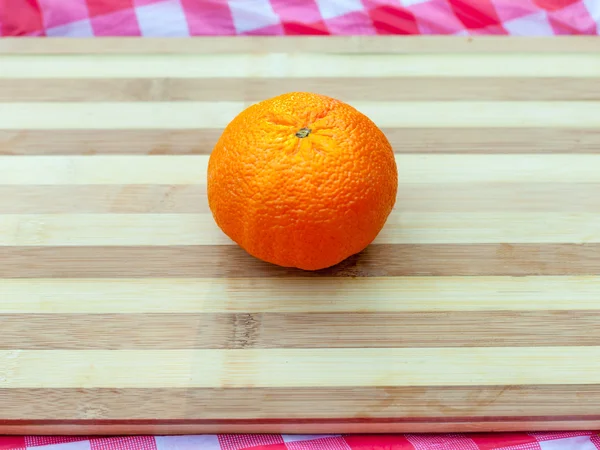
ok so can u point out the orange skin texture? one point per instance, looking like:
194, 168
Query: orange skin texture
307, 202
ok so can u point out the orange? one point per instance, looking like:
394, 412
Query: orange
302, 180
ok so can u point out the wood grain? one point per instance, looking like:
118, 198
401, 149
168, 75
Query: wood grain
194, 115
475, 309
191, 169
310, 44
120, 428
226, 261
297, 295
292, 367
499, 197
313, 404
301, 65
403, 227
200, 142
113, 199
300, 330
256, 89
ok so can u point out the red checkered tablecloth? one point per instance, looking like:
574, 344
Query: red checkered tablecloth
294, 17
507, 441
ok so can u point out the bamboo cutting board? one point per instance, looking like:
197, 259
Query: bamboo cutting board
123, 309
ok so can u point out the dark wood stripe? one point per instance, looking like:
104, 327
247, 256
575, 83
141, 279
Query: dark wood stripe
452, 403
183, 199
231, 261
81, 428
299, 330
102, 142
316, 44
201, 142
300, 427
497, 197
494, 140
256, 89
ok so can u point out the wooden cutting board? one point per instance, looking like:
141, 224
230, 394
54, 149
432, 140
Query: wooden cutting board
124, 309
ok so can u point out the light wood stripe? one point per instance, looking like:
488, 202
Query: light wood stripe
187, 199
110, 229
224, 261
313, 44
84, 170
191, 169
300, 330
402, 227
403, 140
256, 89
201, 115
327, 403
299, 295
299, 65
482, 228
118, 116
101, 199
300, 367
